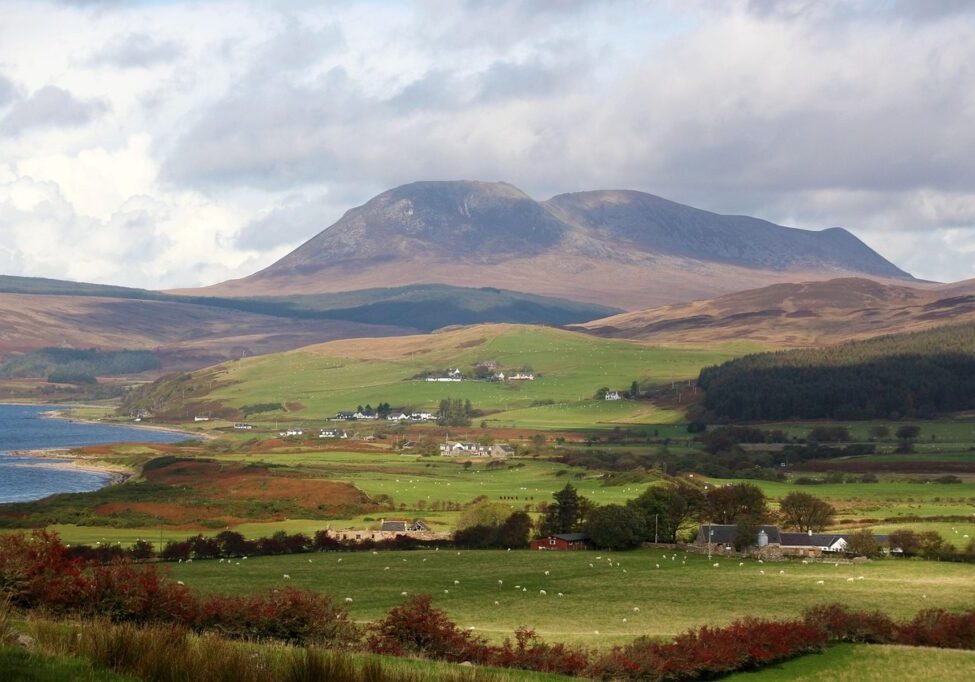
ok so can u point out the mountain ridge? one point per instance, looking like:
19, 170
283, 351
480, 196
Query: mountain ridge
797, 314
633, 249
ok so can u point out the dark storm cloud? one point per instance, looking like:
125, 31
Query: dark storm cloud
51, 107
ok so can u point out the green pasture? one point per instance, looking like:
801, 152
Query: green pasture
869, 663
418, 481
958, 534
608, 598
944, 430
593, 413
891, 496
571, 368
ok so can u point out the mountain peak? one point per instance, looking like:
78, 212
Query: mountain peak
613, 247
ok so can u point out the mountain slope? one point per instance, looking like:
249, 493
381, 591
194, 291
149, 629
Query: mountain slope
621, 248
184, 335
804, 314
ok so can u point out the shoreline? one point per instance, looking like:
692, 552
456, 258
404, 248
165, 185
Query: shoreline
58, 413
64, 460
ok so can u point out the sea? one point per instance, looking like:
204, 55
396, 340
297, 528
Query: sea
25, 427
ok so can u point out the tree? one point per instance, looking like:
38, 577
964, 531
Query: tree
727, 503
805, 512
564, 515
634, 390
863, 543
516, 530
483, 513
663, 510
746, 532
907, 434
905, 540
933, 545
615, 527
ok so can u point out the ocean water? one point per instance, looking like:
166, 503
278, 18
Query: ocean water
26, 428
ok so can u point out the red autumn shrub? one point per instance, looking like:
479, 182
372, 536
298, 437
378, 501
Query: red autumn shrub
939, 628
846, 625
36, 570
708, 652
530, 653
123, 591
417, 627
290, 615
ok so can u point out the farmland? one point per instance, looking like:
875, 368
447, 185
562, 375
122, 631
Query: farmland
317, 381
601, 590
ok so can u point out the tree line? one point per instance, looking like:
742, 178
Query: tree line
921, 375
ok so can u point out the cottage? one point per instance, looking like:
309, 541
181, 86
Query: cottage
332, 433
344, 415
291, 433
522, 376
562, 542
613, 395
721, 537
242, 427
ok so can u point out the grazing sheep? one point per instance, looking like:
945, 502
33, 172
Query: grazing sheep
348, 600
820, 582
180, 582
716, 565
542, 592
561, 595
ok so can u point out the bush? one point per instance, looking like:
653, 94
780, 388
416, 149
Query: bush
710, 652
418, 628
289, 615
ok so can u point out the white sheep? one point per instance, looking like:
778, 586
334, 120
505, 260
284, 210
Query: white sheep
348, 600
820, 582
542, 592
286, 576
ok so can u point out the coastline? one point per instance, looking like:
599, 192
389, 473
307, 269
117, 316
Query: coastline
64, 459
58, 413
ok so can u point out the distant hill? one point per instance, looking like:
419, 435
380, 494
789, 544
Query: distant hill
621, 248
197, 331
804, 314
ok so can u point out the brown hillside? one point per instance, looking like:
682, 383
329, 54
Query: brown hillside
186, 336
806, 314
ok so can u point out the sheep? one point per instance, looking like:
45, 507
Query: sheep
849, 580
561, 595
820, 582
636, 609
286, 576
402, 594
456, 582
497, 603
180, 582
546, 572
762, 572
716, 565
348, 600
542, 592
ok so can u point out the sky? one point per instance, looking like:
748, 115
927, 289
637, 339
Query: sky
176, 144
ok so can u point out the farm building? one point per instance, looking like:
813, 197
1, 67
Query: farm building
721, 537
562, 542
475, 450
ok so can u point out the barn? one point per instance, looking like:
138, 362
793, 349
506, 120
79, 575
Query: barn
562, 542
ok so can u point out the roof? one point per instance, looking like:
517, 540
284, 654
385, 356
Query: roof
393, 526
571, 537
724, 533
810, 539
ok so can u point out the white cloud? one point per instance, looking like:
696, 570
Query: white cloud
190, 142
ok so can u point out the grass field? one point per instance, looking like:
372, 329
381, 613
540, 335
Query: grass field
320, 380
870, 663
600, 590
416, 480
888, 498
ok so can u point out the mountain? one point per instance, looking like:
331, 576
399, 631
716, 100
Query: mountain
804, 314
621, 248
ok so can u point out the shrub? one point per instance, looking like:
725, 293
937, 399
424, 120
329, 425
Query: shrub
710, 652
845, 625
530, 653
416, 627
289, 615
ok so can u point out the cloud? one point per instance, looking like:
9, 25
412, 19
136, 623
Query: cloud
262, 122
51, 107
8, 91
137, 50
292, 221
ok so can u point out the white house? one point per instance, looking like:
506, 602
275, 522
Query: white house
332, 433
613, 395
291, 433
522, 376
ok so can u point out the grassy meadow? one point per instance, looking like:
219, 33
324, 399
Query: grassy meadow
318, 381
869, 663
607, 599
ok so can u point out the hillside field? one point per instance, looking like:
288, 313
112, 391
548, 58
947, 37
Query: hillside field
318, 381
601, 590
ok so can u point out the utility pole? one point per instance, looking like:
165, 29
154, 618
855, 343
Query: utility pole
655, 527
